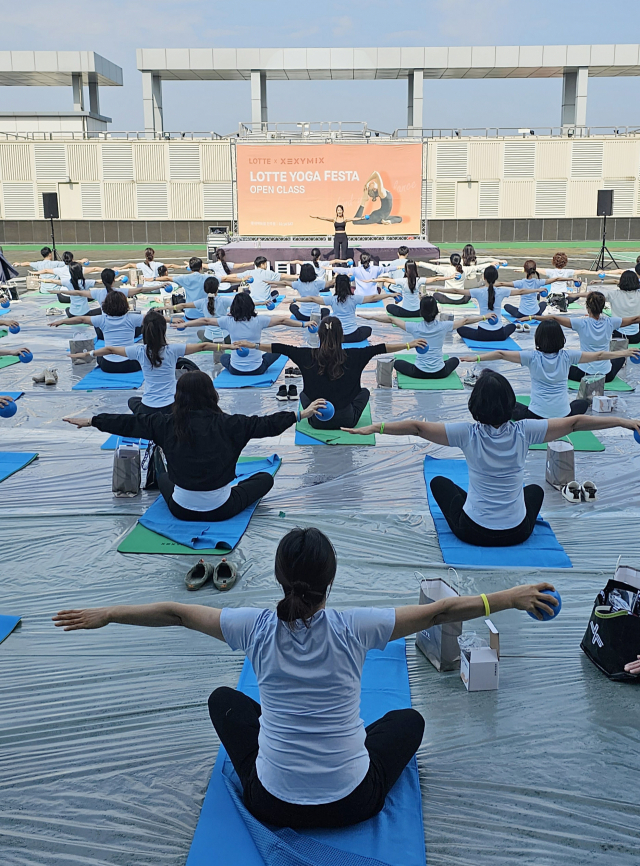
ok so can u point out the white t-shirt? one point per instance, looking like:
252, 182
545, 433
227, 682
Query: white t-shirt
549, 374
529, 304
79, 305
159, 382
561, 286
306, 289
449, 273
321, 271
100, 294
363, 277
311, 744
396, 268
496, 458
213, 334
410, 300
201, 500
252, 331
481, 297
260, 288
345, 311
624, 304
595, 336
218, 271
434, 333
118, 331
150, 272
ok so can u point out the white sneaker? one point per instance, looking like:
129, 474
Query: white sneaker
572, 492
50, 376
589, 491
39, 377
51, 311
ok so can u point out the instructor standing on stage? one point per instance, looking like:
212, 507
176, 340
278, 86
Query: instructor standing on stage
340, 239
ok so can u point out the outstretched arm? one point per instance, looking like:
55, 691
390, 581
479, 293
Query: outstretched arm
197, 617
71, 320
497, 355
565, 321
425, 429
559, 427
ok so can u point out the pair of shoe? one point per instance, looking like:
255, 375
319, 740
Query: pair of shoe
472, 377
284, 393
48, 376
522, 327
52, 311
224, 574
292, 372
575, 492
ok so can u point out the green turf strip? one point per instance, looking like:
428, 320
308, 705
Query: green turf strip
617, 384
450, 383
339, 437
583, 440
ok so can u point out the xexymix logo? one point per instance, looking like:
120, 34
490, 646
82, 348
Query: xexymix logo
595, 637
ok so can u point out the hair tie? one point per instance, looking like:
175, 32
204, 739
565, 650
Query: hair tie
300, 588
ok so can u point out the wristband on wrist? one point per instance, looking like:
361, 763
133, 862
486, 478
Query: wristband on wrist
382, 426
478, 358
408, 346
92, 353
487, 609
298, 416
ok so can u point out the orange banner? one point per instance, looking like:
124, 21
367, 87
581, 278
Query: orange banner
282, 187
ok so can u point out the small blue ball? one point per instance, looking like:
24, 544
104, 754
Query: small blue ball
25, 357
636, 436
313, 329
86, 263
493, 318
116, 272
602, 275
635, 359
577, 283
124, 280
556, 610
350, 262
14, 329
270, 305
422, 350
367, 217
397, 298
5, 304
249, 279
544, 293
9, 410
327, 413
242, 352
459, 277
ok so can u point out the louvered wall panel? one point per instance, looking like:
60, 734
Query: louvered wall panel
623, 195
517, 198
489, 199
216, 162
18, 199
51, 161
452, 159
582, 196
551, 198
621, 159
445, 200
82, 162
152, 201
184, 161
186, 201
119, 201
586, 158
519, 159
553, 160
91, 201
484, 160
117, 161
217, 201
149, 160
44, 187
15, 162
427, 199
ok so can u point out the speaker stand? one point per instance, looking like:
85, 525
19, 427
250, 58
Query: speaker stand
53, 241
600, 263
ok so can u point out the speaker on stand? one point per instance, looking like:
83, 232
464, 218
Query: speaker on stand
51, 213
604, 209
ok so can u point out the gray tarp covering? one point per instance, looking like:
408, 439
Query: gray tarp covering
105, 744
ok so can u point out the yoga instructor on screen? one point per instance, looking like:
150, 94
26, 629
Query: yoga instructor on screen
375, 190
303, 755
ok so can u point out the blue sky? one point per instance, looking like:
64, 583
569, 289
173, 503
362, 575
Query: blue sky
115, 29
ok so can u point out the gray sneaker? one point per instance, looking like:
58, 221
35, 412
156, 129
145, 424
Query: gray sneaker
225, 575
198, 575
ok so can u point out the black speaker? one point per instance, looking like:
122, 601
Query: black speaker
50, 205
605, 202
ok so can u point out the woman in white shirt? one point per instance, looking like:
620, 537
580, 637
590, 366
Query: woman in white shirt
363, 273
409, 286
456, 274
107, 278
149, 268
624, 302
563, 277
303, 755
498, 510
344, 305
222, 268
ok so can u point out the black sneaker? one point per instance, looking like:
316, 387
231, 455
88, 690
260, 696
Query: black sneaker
292, 372
293, 392
282, 393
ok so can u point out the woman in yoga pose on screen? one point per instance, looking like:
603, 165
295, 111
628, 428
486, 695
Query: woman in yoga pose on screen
498, 510
303, 755
375, 191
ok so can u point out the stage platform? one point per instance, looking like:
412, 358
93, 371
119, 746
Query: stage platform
281, 250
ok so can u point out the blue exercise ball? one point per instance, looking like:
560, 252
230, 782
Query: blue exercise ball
544, 293
350, 262
181, 327
636, 436
9, 410
397, 298
243, 352
459, 277
577, 283
124, 280
556, 610
422, 350
14, 329
249, 280
602, 275
270, 305
493, 318
85, 264
367, 217
25, 357
5, 303
327, 413
635, 359
116, 272
313, 329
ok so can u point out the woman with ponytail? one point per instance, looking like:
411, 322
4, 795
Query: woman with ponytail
303, 755
221, 268
456, 274
409, 286
344, 306
529, 305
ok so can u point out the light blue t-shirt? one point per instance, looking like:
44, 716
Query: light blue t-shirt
260, 288
159, 382
100, 294
252, 331
434, 333
79, 305
45, 265
529, 304
118, 330
595, 336
311, 745
363, 276
410, 300
496, 458
549, 374
321, 271
396, 268
345, 311
223, 302
481, 296
306, 289
193, 285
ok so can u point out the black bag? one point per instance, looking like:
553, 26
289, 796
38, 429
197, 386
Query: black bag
186, 364
612, 638
150, 482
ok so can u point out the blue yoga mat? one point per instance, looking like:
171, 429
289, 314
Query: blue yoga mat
208, 535
264, 380
15, 395
361, 345
532, 324
488, 346
378, 305
13, 461
98, 380
114, 442
541, 550
228, 834
7, 625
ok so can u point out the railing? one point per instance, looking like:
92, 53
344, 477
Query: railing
106, 135
514, 132
315, 130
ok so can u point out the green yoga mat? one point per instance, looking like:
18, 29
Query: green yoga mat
8, 360
450, 383
583, 440
338, 437
618, 384
3, 333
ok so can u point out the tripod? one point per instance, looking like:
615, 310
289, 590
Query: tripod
600, 262
53, 241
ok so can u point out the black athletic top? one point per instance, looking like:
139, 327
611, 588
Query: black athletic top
209, 461
341, 392
339, 228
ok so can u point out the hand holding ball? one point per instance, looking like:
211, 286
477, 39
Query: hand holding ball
14, 329
9, 409
422, 350
243, 352
544, 293
493, 319
124, 280
327, 412
556, 610
25, 357
313, 329
5, 303
249, 280
636, 436
270, 305
350, 262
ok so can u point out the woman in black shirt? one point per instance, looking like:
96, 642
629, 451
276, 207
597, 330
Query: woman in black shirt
332, 373
340, 239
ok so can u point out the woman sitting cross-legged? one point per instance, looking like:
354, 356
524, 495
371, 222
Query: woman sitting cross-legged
332, 373
549, 366
409, 287
344, 305
201, 444
306, 283
303, 755
244, 324
497, 511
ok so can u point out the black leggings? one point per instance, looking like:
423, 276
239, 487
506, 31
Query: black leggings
391, 742
445, 299
340, 246
294, 309
409, 369
576, 407
348, 416
451, 500
632, 338
95, 311
515, 312
267, 360
139, 408
400, 312
100, 332
576, 374
357, 336
126, 366
484, 335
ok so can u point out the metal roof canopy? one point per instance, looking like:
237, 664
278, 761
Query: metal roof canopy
57, 69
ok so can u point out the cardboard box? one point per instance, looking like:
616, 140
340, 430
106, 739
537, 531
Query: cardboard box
604, 404
480, 668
